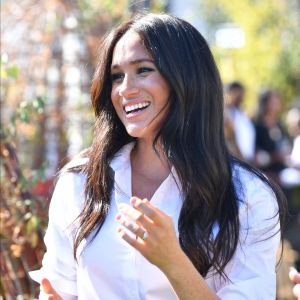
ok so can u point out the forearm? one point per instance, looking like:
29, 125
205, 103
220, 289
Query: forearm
187, 282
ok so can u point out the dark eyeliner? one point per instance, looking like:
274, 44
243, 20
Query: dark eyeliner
144, 69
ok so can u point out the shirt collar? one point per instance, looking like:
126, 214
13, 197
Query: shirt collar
122, 160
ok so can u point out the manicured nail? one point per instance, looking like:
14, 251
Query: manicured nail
44, 281
118, 217
133, 200
120, 231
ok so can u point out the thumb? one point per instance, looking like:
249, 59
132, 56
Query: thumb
46, 285
48, 289
294, 275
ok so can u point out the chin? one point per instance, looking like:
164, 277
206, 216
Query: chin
137, 132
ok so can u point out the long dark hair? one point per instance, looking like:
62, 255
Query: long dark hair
191, 136
263, 102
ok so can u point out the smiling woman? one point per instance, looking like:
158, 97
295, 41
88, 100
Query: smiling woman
139, 92
157, 208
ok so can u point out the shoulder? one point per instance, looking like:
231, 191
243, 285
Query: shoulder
68, 196
71, 178
75, 162
250, 182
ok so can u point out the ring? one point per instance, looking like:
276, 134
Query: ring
145, 235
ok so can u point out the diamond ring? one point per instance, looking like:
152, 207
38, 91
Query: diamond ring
145, 235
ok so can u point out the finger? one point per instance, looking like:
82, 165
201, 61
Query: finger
130, 225
294, 275
49, 290
130, 211
46, 285
152, 212
137, 244
296, 291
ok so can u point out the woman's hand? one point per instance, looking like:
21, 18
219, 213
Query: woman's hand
156, 240
48, 291
155, 234
295, 278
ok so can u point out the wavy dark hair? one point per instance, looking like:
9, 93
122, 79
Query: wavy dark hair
191, 136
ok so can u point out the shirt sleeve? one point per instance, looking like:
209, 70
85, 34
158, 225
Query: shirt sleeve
59, 265
252, 270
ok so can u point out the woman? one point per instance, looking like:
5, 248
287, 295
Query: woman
272, 143
210, 226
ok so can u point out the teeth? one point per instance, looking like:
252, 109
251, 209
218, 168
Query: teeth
130, 108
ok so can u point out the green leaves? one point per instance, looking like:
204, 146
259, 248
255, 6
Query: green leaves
27, 109
39, 175
39, 105
12, 72
8, 71
271, 55
23, 112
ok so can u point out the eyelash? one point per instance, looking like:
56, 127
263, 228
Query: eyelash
144, 69
117, 76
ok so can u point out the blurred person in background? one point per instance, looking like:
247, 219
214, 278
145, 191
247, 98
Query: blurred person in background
242, 139
272, 144
290, 176
157, 208
293, 127
230, 137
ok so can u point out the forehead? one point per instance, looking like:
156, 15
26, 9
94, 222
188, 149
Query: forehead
129, 48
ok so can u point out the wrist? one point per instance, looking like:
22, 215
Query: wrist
186, 280
176, 265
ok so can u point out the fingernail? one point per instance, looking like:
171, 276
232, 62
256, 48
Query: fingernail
133, 200
120, 231
118, 217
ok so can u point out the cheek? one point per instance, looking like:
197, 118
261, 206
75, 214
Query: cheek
165, 95
160, 89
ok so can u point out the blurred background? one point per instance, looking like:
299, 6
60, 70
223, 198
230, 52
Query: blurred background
48, 54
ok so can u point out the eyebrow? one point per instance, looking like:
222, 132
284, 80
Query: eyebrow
134, 62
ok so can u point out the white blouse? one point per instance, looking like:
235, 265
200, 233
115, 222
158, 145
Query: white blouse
110, 269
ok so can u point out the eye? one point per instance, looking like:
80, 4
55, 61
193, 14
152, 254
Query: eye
144, 70
117, 77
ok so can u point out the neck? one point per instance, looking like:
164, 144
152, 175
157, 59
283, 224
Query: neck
270, 119
146, 162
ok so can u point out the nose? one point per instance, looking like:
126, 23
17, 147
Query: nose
128, 88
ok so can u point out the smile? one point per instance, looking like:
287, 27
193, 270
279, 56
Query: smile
136, 107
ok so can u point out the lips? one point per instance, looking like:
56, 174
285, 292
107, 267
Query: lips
136, 107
